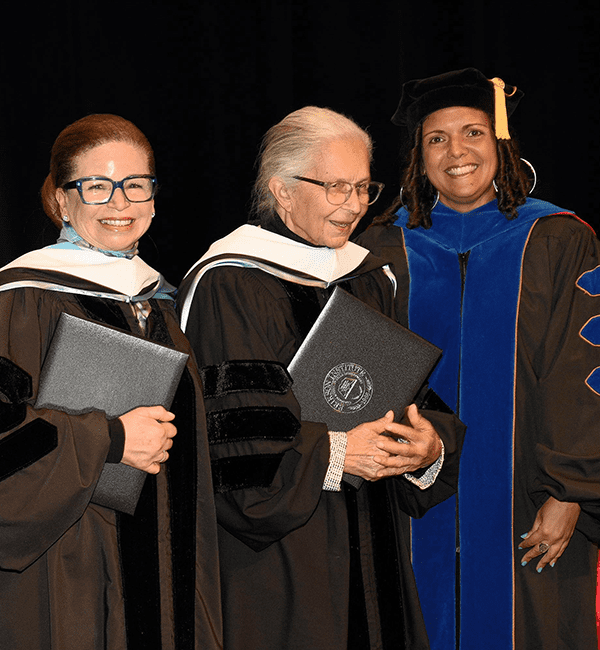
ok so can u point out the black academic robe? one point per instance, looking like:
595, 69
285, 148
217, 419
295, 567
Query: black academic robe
555, 438
300, 567
75, 575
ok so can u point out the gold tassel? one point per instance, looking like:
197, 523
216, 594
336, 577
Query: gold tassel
500, 109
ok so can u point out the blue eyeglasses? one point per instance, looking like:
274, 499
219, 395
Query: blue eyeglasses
95, 190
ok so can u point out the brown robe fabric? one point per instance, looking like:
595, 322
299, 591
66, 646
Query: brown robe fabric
75, 575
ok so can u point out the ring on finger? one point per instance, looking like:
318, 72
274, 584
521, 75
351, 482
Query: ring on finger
543, 547
164, 457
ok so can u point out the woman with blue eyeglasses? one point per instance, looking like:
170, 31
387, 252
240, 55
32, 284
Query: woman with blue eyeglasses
74, 572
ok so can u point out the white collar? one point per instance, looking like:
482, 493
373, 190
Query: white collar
254, 247
325, 264
126, 276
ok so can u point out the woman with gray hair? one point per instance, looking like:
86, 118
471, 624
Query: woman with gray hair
307, 560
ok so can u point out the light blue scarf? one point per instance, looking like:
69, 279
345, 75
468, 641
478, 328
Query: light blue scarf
69, 234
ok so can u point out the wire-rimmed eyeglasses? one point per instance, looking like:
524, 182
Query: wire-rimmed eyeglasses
95, 190
338, 192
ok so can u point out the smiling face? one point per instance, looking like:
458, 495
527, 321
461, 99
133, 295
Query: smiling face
118, 224
460, 156
305, 209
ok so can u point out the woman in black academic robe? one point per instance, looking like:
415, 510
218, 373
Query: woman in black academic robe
74, 574
307, 560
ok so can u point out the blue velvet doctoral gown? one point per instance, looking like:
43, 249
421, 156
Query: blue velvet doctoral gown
506, 302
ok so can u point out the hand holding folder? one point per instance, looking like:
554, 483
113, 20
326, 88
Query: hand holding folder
357, 364
91, 367
148, 435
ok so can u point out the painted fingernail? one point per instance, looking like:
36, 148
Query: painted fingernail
540, 569
524, 563
524, 536
553, 563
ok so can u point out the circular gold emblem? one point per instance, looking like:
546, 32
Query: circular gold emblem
347, 388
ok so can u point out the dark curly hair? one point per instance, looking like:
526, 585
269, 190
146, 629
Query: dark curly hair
418, 195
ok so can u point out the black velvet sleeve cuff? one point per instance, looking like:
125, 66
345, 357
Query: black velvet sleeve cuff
117, 441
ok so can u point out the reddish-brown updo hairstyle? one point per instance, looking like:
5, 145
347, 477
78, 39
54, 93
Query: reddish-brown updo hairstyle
78, 138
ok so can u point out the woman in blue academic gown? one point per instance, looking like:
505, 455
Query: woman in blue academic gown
509, 287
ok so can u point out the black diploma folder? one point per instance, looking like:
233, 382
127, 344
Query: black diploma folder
356, 364
92, 367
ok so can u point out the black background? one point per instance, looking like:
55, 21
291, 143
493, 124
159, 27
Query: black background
204, 81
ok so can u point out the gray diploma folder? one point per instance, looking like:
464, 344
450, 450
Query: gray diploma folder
356, 364
92, 367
